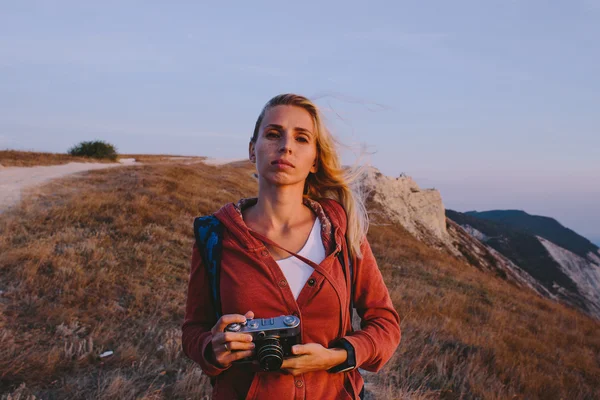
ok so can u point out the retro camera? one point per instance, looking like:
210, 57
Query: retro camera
273, 339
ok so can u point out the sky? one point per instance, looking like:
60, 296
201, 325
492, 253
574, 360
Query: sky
494, 103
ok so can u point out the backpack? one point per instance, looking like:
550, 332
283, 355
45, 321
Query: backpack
208, 231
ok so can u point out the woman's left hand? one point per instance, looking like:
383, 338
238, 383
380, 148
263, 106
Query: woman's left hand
313, 357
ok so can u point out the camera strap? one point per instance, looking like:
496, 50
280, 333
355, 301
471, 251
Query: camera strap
341, 258
208, 232
268, 241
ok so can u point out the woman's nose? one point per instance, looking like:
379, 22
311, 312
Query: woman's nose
285, 149
285, 146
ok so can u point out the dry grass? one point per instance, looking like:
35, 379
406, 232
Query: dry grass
14, 158
467, 334
101, 263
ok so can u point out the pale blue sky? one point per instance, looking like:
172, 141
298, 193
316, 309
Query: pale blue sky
494, 103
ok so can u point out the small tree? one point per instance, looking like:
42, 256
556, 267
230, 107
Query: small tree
94, 149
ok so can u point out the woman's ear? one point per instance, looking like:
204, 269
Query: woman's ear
251, 153
315, 167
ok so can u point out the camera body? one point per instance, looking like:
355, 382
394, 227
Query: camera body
273, 339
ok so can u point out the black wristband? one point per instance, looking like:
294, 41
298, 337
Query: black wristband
350, 362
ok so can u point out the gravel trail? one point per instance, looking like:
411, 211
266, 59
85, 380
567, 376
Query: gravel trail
13, 180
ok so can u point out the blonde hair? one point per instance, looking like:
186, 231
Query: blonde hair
331, 180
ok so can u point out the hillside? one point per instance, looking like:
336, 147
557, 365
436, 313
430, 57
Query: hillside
563, 273
546, 227
100, 263
17, 158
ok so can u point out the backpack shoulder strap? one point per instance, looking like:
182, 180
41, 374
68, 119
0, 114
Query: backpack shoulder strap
208, 231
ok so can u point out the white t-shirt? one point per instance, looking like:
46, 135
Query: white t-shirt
297, 271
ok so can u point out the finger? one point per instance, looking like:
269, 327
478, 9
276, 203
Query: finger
236, 346
286, 364
236, 337
300, 349
238, 355
249, 315
289, 363
226, 320
221, 350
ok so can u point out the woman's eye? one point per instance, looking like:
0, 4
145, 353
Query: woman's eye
302, 139
272, 134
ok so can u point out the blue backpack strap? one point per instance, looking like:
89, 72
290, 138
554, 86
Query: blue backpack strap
208, 231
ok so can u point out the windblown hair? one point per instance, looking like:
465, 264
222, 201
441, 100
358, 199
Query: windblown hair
331, 180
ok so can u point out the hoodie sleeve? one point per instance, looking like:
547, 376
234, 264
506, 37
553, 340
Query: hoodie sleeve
199, 317
380, 335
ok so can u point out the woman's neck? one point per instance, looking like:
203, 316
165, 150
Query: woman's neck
278, 210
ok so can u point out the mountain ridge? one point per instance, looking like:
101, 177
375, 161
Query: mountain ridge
546, 227
564, 262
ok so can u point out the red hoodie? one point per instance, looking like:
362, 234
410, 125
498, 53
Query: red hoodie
252, 280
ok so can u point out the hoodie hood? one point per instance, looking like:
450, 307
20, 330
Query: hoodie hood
330, 213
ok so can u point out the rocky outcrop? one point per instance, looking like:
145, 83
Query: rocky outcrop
420, 211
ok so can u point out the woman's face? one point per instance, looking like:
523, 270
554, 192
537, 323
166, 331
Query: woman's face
285, 151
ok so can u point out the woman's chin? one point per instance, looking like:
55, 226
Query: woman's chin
281, 179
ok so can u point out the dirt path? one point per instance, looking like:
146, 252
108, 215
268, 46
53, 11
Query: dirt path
13, 180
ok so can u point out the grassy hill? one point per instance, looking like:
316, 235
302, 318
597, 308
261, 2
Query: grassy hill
102, 262
16, 158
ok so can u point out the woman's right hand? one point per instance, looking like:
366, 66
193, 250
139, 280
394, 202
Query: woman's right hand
228, 347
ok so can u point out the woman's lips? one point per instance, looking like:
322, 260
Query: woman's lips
283, 164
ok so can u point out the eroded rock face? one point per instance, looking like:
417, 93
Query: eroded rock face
421, 212
471, 244
584, 272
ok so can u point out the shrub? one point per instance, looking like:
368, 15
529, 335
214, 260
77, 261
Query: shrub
94, 149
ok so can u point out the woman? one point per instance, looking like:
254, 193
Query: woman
306, 207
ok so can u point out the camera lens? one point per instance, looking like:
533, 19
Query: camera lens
270, 354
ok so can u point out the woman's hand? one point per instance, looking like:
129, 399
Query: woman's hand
313, 357
228, 347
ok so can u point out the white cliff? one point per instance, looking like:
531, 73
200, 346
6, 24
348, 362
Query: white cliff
421, 212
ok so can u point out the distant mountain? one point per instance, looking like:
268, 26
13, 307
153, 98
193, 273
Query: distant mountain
565, 263
546, 227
